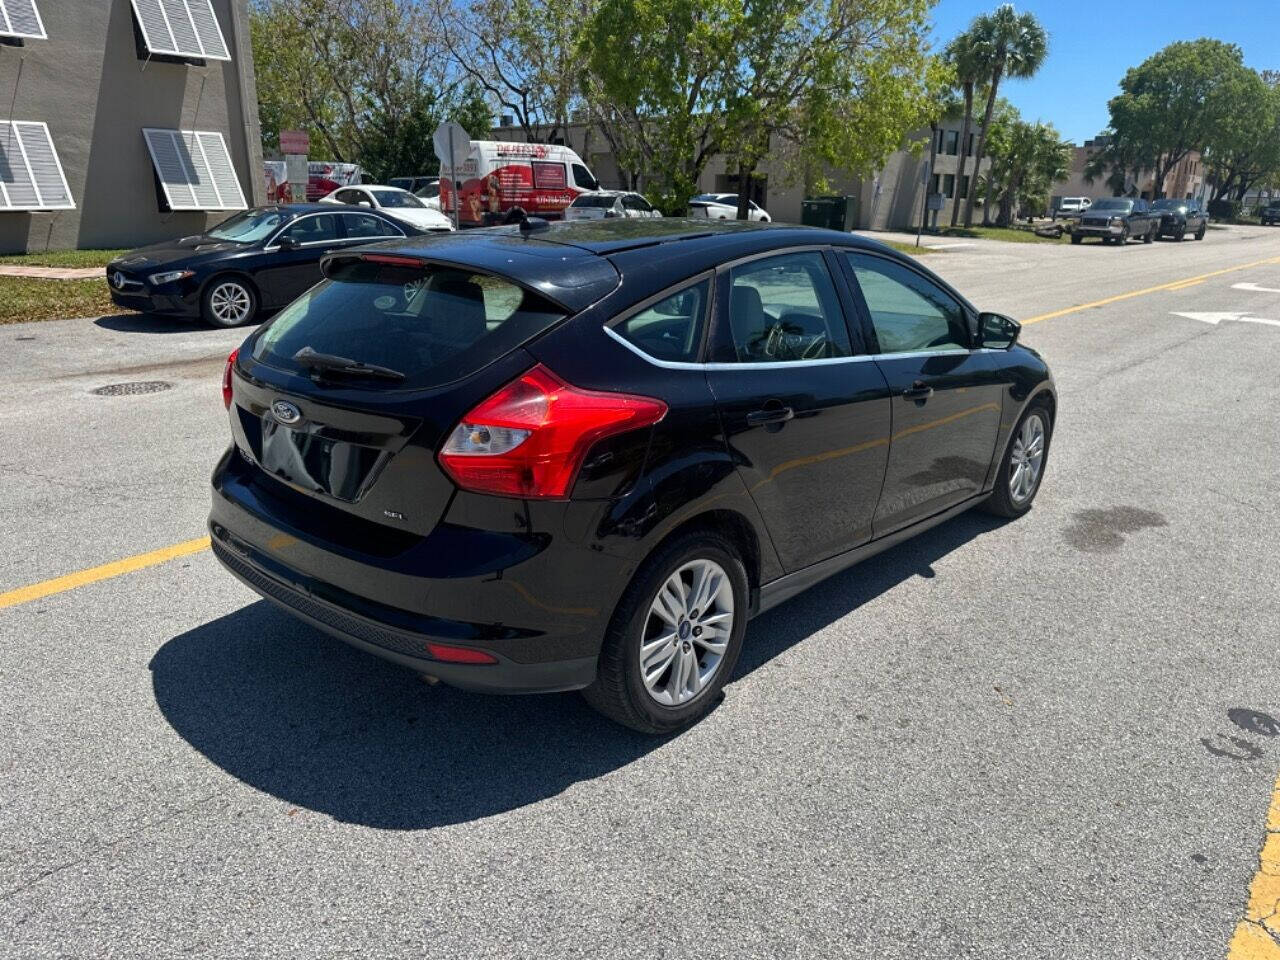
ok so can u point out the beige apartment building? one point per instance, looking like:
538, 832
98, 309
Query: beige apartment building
124, 122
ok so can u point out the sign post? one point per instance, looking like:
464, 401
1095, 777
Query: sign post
295, 145
450, 140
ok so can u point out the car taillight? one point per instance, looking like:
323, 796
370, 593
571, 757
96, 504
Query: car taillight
529, 439
226, 378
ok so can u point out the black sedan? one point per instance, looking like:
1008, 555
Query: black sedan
583, 455
255, 262
1180, 217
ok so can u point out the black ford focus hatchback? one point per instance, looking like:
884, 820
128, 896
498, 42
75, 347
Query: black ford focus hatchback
582, 456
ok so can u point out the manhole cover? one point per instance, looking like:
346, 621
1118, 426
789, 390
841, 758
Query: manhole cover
133, 388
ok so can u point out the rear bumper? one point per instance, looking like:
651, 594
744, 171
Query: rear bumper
308, 602
539, 603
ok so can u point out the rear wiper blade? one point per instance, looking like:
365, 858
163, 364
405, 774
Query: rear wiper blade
329, 363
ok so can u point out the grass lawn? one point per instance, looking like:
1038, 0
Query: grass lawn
63, 258
1008, 234
27, 298
910, 248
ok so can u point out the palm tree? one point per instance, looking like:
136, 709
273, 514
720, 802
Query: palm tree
1013, 45
964, 58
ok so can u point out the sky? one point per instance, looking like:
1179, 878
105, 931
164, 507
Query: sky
1092, 43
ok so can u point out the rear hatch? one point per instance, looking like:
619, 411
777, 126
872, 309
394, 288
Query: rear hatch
341, 401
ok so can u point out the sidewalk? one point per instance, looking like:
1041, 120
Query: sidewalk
927, 240
51, 273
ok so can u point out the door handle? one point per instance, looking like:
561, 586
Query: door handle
918, 391
770, 415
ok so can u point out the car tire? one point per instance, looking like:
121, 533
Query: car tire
1150, 236
1199, 234
1013, 495
1076, 238
620, 691
228, 301
1124, 236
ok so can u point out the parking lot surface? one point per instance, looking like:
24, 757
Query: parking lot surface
1049, 737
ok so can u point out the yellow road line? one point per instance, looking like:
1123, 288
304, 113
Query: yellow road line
164, 554
105, 572
1257, 935
1171, 285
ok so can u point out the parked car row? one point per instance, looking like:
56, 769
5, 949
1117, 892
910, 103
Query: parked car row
1121, 219
1270, 214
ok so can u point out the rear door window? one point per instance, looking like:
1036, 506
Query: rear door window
365, 226
670, 329
433, 324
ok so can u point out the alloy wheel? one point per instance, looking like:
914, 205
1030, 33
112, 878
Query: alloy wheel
230, 303
686, 633
1026, 459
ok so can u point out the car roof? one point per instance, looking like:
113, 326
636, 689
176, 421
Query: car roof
577, 263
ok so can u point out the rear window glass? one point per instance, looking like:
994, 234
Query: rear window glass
587, 201
433, 325
671, 329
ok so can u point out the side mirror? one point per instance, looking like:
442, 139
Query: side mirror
997, 332
287, 243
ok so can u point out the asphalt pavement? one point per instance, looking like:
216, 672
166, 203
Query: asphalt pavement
1045, 738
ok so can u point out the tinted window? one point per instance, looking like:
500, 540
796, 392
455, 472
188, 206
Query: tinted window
1115, 204
582, 177
632, 202
315, 229
784, 308
432, 324
593, 201
671, 329
349, 196
909, 313
361, 225
548, 176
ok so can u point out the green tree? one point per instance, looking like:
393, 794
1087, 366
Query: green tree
523, 54
1177, 100
367, 78
1245, 148
821, 84
964, 57
1026, 160
1010, 44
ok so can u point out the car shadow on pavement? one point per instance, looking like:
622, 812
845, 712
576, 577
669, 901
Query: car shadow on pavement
148, 323
303, 717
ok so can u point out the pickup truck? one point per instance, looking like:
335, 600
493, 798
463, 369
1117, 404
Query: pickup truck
1117, 220
1180, 217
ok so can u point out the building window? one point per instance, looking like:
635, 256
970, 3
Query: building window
949, 185
31, 175
938, 138
20, 18
937, 183
964, 185
968, 149
953, 142
194, 170
180, 28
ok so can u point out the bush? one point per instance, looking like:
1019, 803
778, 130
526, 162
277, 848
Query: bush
1224, 209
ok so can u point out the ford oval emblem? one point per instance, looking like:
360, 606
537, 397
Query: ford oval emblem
285, 412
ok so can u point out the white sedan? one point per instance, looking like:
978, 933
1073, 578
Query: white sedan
394, 202
602, 204
724, 206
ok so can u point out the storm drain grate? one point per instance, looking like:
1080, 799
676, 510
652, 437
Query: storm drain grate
133, 388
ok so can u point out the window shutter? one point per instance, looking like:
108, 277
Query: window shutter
194, 169
31, 176
180, 28
20, 18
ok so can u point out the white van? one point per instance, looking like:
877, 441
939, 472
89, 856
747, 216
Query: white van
541, 178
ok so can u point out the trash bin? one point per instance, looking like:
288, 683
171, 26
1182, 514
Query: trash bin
834, 213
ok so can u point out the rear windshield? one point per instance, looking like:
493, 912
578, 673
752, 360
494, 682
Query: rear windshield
396, 198
1113, 203
589, 201
433, 324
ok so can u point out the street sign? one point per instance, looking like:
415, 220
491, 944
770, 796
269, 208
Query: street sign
295, 141
452, 143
